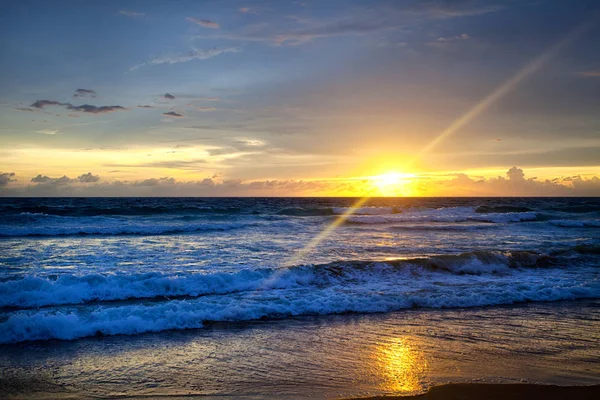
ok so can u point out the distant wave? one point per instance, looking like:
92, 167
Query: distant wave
501, 209
123, 209
576, 223
466, 280
115, 228
305, 212
452, 214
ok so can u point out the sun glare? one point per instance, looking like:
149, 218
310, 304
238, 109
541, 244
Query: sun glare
393, 183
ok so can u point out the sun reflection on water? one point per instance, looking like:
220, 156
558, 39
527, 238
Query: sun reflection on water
401, 365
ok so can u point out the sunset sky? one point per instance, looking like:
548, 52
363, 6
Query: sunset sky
301, 98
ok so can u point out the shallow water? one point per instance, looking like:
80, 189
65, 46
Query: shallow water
335, 356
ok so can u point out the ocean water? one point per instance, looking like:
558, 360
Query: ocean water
75, 268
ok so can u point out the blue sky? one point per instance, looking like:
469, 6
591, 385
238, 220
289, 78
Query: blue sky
294, 90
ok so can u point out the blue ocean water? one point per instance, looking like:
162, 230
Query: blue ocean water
73, 267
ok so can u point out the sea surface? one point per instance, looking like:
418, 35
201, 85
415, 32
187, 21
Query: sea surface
75, 268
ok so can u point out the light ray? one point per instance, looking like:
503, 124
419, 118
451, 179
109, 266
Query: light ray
503, 89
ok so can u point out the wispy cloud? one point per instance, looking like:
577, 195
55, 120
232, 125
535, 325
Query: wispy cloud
374, 19
48, 131
450, 39
247, 10
132, 14
594, 73
194, 54
203, 22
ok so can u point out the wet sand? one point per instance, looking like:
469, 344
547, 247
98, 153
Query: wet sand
468, 391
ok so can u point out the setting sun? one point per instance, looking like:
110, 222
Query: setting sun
394, 183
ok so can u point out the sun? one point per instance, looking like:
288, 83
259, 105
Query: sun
393, 183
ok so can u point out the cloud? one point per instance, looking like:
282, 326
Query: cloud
145, 106
450, 39
155, 182
46, 180
48, 131
206, 109
6, 178
203, 22
594, 73
173, 114
132, 14
95, 110
88, 178
44, 103
247, 10
24, 109
169, 96
84, 93
194, 54
513, 183
87, 108
377, 18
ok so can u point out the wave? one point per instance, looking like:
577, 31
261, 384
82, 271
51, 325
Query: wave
501, 209
564, 223
367, 210
123, 209
115, 228
306, 212
441, 227
454, 214
34, 291
475, 279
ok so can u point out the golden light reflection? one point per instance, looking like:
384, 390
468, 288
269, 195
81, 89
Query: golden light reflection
401, 366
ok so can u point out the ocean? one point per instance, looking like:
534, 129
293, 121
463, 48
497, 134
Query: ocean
254, 293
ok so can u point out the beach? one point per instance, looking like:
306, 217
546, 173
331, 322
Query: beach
153, 298
343, 356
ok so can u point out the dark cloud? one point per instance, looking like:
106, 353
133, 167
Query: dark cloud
46, 180
44, 103
24, 109
169, 96
84, 93
6, 177
87, 108
203, 22
145, 106
88, 178
173, 114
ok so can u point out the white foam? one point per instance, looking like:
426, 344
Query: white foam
416, 288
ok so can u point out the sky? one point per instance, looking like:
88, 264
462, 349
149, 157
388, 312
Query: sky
300, 98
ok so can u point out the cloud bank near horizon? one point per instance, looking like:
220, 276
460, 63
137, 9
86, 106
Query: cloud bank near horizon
514, 183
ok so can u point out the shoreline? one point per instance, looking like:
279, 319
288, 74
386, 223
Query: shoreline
499, 391
451, 391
